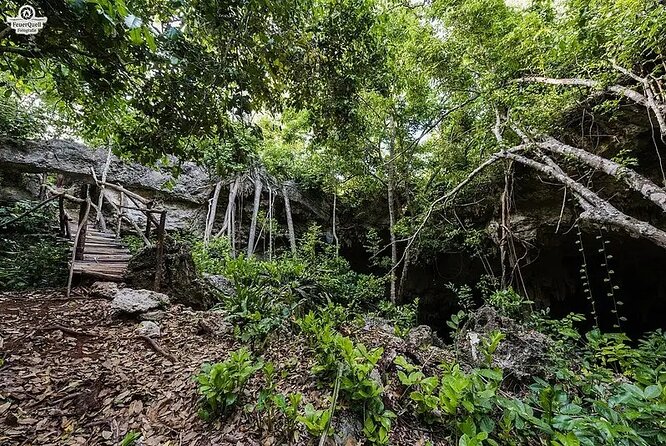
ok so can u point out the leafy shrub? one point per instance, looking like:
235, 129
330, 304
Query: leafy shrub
509, 303
268, 292
271, 403
19, 120
133, 242
403, 317
31, 254
316, 272
464, 402
314, 420
352, 363
221, 384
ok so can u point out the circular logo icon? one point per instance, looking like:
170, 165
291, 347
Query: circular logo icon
26, 12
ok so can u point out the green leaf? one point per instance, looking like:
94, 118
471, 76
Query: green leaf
651, 392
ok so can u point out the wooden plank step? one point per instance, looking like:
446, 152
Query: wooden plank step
104, 244
103, 249
102, 261
98, 232
111, 277
103, 239
106, 257
105, 254
95, 263
86, 271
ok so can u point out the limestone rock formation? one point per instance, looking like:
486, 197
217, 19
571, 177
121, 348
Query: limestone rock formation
105, 290
179, 276
75, 160
149, 328
132, 302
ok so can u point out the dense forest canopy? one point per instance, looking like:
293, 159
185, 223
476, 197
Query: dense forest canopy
481, 136
360, 99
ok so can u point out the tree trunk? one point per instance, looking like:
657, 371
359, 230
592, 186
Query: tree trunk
290, 221
233, 191
403, 276
394, 247
334, 224
270, 223
120, 211
390, 185
232, 230
595, 208
504, 228
635, 181
255, 212
100, 217
212, 210
84, 210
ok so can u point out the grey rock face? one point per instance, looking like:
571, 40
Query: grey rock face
522, 354
106, 290
74, 159
129, 301
420, 336
154, 316
179, 279
347, 429
220, 283
149, 328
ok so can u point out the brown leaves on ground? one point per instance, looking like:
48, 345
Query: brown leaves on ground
73, 375
64, 389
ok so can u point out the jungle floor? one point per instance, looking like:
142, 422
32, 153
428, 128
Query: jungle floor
72, 374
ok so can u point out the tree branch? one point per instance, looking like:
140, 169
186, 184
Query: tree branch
595, 208
25, 52
635, 181
618, 89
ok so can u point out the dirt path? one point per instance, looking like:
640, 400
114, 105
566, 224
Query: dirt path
75, 375
60, 388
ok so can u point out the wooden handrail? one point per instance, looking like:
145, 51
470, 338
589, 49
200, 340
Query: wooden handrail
79, 242
83, 222
160, 251
129, 220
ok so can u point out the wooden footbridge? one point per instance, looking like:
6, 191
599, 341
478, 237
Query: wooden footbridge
104, 257
97, 251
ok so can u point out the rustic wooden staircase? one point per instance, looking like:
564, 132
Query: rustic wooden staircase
105, 256
100, 253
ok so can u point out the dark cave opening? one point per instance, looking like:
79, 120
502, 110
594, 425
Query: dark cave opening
625, 275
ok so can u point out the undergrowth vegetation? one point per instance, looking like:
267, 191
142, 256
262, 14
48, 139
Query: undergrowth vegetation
31, 255
267, 292
601, 388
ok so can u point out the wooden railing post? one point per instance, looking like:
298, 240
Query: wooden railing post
121, 211
83, 224
149, 206
159, 250
62, 217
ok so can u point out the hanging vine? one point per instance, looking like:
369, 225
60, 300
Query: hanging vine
585, 276
608, 280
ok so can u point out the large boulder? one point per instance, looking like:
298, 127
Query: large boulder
521, 354
105, 290
420, 336
149, 329
76, 160
220, 283
133, 302
179, 276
